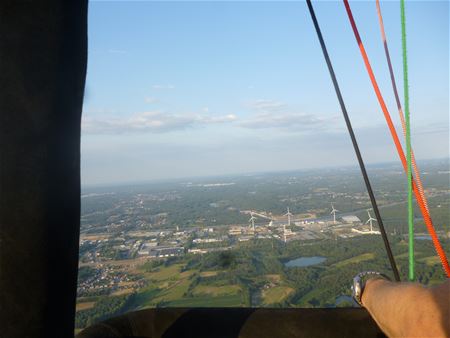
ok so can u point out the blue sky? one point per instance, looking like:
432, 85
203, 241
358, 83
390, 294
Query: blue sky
179, 89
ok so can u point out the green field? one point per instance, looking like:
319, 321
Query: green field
276, 294
169, 286
430, 260
405, 255
360, 258
205, 301
212, 290
164, 273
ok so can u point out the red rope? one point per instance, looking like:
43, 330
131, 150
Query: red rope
440, 251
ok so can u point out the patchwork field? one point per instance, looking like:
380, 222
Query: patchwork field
431, 260
276, 294
206, 301
212, 290
206, 274
171, 287
85, 306
164, 273
122, 292
360, 258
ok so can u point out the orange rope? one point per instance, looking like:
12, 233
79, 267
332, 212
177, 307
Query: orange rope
440, 251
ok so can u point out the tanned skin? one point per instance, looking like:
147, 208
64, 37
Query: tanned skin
408, 309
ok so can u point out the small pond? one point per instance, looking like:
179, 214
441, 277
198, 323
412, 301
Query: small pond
344, 299
302, 262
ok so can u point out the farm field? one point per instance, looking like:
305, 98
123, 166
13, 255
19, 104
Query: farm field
276, 294
249, 270
357, 259
85, 306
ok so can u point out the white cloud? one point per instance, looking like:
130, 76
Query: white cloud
292, 121
150, 99
266, 114
266, 105
163, 86
278, 115
211, 119
151, 122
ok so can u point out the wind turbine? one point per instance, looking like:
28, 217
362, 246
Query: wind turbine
370, 220
288, 214
333, 212
252, 219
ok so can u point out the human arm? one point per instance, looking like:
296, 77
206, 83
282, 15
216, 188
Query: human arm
408, 309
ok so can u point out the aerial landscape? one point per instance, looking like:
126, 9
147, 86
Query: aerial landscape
286, 239
217, 169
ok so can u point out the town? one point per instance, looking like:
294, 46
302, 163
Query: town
137, 227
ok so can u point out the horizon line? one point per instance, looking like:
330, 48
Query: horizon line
241, 174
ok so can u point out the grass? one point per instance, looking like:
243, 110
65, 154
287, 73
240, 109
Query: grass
164, 273
174, 296
174, 292
430, 260
274, 278
167, 284
216, 290
144, 298
276, 294
170, 285
206, 301
85, 306
122, 292
187, 274
310, 295
361, 258
208, 273
405, 255
88, 299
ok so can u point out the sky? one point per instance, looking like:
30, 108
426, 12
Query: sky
183, 89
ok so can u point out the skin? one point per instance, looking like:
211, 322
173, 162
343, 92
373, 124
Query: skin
408, 309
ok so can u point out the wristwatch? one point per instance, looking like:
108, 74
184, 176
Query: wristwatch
359, 282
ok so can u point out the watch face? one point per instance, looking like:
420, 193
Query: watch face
356, 289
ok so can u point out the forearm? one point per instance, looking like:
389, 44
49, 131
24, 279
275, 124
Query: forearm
407, 309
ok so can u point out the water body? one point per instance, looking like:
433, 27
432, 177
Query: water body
344, 299
302, 262
255, 297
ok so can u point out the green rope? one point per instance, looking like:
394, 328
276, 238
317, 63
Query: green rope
411, 274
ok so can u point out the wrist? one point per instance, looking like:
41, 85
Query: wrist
370, 285
359, 283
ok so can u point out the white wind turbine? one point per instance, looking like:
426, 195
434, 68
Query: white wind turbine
333, 212
252, 219
288, 214
370, 220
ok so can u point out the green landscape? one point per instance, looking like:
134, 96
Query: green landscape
201, 262
235, 278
